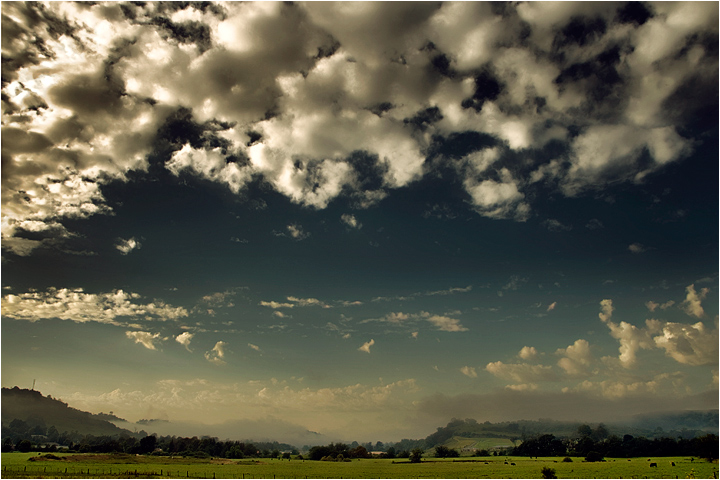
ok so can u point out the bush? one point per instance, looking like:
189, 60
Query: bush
548, 472
24, 446
416, 455
594, 457
567, 459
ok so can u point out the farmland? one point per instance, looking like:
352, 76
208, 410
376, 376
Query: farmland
19, 465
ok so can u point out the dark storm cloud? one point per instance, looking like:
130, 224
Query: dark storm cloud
326, 99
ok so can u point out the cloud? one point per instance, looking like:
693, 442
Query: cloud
184, 340
127, 246
551, 307
498, 199
576, 358
146, 339
528, 353
637, 248
217, 354
617, 389
366, 346
446, 324
80, 307
631, 338
297, 109
274, 304
692, 303
689, 344
652, 306
397, 318
450, 291
521, 372
297, 302
594, 224
556, 226
254, 347
297, 232
469, 371
308, 302
350, 221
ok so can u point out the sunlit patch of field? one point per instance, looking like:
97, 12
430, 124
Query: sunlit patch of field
18, 465
484, 443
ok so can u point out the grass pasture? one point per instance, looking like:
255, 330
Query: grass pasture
484, 443
18, 465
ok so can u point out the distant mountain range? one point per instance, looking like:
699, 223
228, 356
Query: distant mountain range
36, 410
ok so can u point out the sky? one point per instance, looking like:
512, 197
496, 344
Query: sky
361, 219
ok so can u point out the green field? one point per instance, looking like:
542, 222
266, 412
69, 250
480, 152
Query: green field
18, 465
484, 443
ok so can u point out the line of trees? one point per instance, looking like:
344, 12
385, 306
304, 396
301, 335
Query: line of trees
152, 444
616, 447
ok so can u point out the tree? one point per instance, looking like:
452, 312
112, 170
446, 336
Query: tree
147, 444
594, 457
441, 451
24, 446
358, 452
584, 431
600, 433
416, 455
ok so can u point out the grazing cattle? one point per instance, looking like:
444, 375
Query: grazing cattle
653, 464
512, 464
672, 463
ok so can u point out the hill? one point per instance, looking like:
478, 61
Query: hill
469, 434
39, 413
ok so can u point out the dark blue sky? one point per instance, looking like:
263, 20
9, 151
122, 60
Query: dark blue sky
319, 216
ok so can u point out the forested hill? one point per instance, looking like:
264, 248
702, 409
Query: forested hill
41, 413
685, 424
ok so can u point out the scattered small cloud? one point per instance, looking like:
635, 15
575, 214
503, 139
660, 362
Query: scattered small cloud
296, 232
556, 226
576, 359
78, 306
521, 372
469, 371
692, 303
184, 340
351, 221
254, 347
217, 354
551, 307
238, 240
127, 246
146, 339
366, 346
652, 306
528, 353
594, 224
446, 324
637, 248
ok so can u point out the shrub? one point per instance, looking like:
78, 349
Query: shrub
594, 457
567, 459
24, 446
548, 472
416, 455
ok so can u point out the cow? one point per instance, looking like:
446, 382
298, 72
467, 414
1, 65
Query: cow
653, 464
